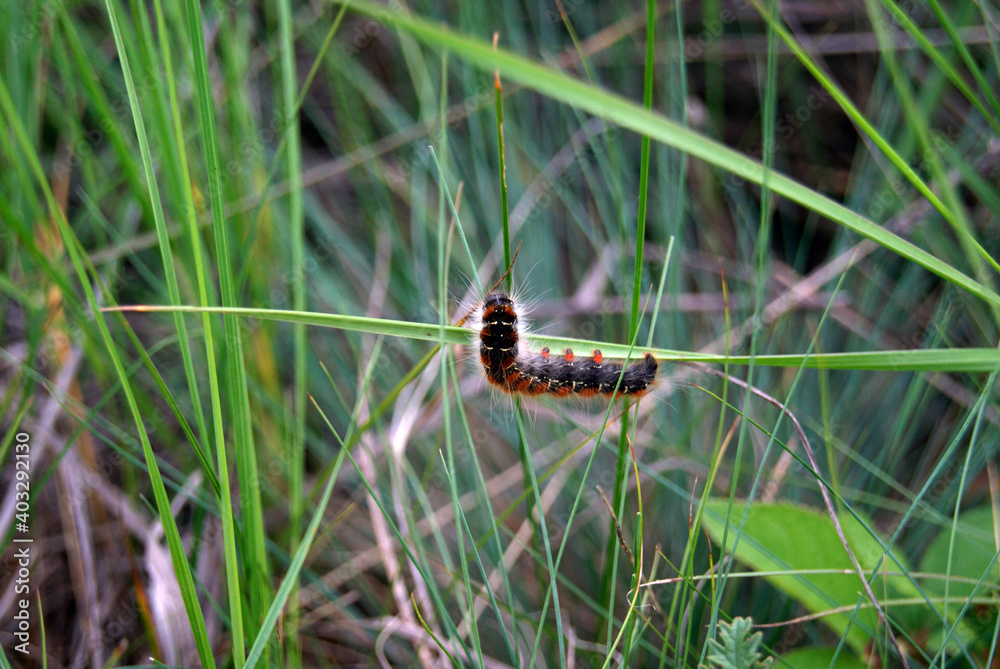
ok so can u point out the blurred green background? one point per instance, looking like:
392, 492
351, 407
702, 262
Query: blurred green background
337, 485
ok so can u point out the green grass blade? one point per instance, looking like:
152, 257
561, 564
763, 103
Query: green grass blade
626, 113
296, 448
918, 360
236, 383
163, 237
945, 65
182, 569
953, 218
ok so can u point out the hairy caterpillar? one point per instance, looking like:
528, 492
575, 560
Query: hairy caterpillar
516, 370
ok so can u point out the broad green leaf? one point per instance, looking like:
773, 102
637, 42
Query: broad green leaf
787, 541
821, 658
974, 554
973, 573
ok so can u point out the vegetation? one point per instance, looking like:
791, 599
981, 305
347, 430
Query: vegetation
287, 454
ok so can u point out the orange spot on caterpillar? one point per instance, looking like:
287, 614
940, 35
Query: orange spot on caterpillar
569, 355
545, 352
598, 357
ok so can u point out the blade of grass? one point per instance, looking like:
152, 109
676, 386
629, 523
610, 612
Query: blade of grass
182, 569
872, 133
166, 257
510, 639
626, 113
919, 360
946, 67
918, 124
297, 444
405, 546
956, 41
504, 212
608, 578
769, 92
84, 60
254, 558
448, 455
289, 584
552, 591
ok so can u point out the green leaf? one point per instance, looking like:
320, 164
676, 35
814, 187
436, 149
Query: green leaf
973, 556
821, 658
738, 649
974, 561
787, 541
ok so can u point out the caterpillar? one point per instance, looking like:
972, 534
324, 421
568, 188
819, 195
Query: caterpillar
514, 370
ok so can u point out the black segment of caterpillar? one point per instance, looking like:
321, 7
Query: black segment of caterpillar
514, 370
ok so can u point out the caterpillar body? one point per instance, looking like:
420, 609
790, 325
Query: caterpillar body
515, 370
